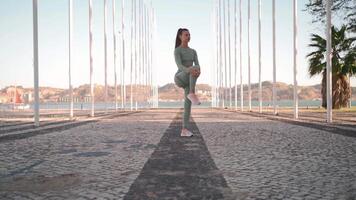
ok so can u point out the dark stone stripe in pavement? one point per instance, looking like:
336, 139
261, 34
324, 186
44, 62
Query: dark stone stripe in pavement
42, 131
31, 126
5, 124
323, 127
318, 126
65, 126
180, 168
22, 170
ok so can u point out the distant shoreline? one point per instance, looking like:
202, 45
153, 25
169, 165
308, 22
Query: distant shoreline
162, 104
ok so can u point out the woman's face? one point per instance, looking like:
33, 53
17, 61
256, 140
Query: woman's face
185, 36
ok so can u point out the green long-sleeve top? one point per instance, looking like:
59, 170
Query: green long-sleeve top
185, 57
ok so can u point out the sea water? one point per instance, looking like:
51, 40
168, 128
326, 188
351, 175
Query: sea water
175, 104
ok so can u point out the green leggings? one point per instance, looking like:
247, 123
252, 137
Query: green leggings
187, 82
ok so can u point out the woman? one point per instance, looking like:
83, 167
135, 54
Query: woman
187, 74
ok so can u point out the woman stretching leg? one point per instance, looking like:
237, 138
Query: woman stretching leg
187, 74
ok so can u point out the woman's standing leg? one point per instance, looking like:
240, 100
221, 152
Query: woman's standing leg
187, 107
188, 82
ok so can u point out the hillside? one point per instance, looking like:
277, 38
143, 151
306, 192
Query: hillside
170, 92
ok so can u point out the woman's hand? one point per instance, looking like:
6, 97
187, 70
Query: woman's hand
195, 72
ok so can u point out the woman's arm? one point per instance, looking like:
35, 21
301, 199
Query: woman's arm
178, 60
196, 61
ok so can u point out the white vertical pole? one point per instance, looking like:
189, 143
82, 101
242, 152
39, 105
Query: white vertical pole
139, 53
217, 55
217, 51
122, 74
220, 68
105, 57
131, 51
151, 54
148, 73
328, 61
217, 89
123, 53
154, 56
295, 54
212, 76
350, 103
229, 43
70, 19
249, 58
35, 63
218, 46
147, 56
235, 46
151, 57
145, 42
223, 97
139, 50
136, 63
150, 50
145, 49
241, 85
274, 55
91, 56
225, 56
259, 57
142, 48
114, 38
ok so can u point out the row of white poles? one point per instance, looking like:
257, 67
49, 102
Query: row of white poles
141, 55
142, 19
223, 57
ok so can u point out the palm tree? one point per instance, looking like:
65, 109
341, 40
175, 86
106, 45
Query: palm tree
343, 64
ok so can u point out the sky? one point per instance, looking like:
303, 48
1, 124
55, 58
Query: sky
197, 15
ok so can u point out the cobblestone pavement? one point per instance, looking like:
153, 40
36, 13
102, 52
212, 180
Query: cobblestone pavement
97, 160
264, 159
254, 158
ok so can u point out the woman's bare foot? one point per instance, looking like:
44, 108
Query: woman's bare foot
193, 98
186, 133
